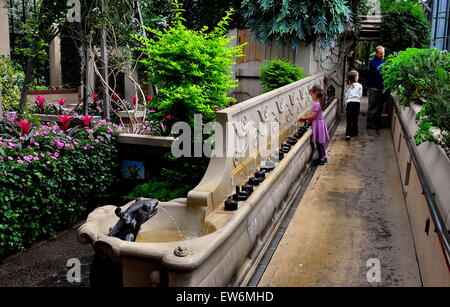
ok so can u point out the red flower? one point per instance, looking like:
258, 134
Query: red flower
65, 122
168, 117
149, 98
95, 96
25, 125
115, 97
61, 101
134, 100
87, 120
40, 102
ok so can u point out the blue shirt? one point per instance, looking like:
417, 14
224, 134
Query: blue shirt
375, 78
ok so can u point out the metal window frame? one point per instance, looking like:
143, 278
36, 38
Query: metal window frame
435, 16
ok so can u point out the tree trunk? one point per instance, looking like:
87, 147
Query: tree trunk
26, 82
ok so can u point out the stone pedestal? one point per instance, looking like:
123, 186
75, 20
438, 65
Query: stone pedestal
130, 89
55, 62
4, 29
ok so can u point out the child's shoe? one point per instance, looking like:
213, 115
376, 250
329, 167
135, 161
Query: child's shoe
323, 162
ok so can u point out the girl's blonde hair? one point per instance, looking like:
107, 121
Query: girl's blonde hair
320, 93
351, 78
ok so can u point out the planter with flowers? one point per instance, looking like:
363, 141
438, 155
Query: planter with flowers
71, 96
52, 112
52, 175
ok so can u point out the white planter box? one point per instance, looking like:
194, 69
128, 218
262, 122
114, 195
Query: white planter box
434, 160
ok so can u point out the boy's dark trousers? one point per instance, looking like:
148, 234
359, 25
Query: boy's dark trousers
375, 108
353, 108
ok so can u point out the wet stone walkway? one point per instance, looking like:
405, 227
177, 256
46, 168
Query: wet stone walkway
351, 221
45, 263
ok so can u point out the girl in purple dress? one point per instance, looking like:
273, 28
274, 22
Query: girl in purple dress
320, 134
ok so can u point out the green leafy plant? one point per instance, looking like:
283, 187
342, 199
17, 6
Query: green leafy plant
405, 71
404, 25
434, 117
175, 180
423, 76
11, 80
163, 190
291, 21
278, 73
192, 70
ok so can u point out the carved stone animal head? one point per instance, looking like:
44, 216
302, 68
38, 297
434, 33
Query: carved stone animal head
131, 220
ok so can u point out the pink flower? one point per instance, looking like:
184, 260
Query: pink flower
115, 97
134, 99
87, 120
25, 125
61, 101
65, 122
59, 144
168, 117
149, 98
151, 111
40, 102
95, 96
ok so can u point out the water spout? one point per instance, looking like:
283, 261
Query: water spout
131, 220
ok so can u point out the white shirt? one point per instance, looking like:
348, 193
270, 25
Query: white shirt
354, 92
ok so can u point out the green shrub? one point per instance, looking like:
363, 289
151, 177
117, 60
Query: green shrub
436, 111
278, 73
404, 25
11, 79
50, 179
403, 72
423, 76
291, 21
164, 190
192, 70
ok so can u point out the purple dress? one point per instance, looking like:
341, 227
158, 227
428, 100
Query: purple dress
319, 126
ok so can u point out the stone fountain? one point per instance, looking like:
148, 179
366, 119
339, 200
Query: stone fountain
214, 236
